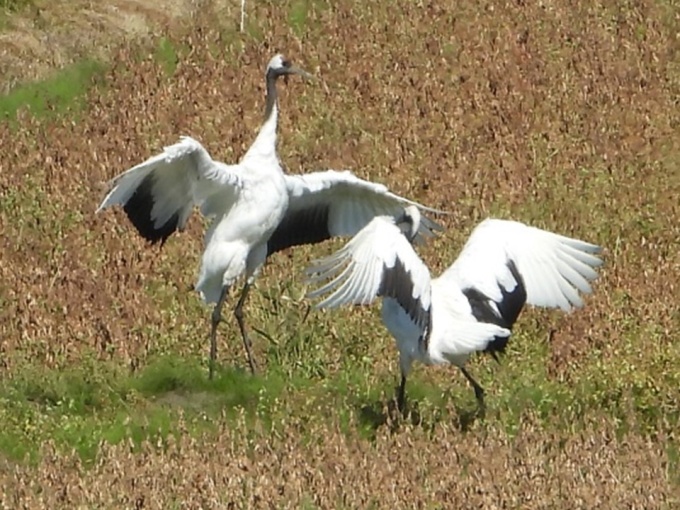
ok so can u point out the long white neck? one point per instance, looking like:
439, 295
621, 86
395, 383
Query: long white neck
264, 145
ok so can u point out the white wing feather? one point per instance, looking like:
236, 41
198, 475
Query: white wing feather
352, 202
356, 270
554, 268
184, 175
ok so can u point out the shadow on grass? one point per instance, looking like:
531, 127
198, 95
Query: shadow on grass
385, 413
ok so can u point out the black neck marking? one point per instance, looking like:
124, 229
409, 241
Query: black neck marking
272, 94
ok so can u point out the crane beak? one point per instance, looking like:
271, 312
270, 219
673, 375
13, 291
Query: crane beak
300, 72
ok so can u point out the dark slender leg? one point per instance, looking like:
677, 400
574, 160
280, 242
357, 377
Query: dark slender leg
401, 396
215, 320
309, 309
238, 312
479, 391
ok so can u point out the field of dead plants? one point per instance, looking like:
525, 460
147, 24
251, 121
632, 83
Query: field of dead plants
565, 115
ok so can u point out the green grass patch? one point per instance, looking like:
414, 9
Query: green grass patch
167, 55
298, 15
65, 90
301, 12
97, 401
15, 5
59, 93
9, 8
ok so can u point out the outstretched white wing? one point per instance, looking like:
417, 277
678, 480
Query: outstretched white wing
333, 203
552, 268
159, 194
377, 262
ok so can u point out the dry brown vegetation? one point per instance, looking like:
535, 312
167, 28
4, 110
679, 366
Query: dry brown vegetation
590, 469
562, 114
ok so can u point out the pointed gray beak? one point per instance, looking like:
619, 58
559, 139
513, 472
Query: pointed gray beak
301, 72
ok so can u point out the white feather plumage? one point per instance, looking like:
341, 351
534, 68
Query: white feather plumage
475, 302
256, 209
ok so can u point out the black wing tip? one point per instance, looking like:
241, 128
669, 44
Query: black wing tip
145, 225
138, 210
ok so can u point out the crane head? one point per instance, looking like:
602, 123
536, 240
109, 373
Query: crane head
280, 66
409, 222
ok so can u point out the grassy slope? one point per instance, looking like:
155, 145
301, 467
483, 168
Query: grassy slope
38, 36
542, 115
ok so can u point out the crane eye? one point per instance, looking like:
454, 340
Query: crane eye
285, 63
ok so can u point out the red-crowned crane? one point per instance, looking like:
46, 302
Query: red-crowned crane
473, 305
256, 208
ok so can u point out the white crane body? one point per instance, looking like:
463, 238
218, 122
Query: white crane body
470, 307
256, 209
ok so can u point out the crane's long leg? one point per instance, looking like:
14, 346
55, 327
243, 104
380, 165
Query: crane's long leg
215, 320
238, 312
401, 395
479, 391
